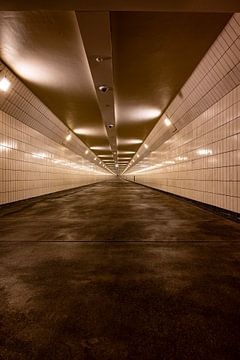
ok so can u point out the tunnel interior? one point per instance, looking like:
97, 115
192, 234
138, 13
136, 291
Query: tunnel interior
119, 180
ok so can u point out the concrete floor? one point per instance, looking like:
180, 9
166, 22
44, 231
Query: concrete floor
118, 271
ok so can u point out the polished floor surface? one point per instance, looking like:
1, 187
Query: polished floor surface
118, 271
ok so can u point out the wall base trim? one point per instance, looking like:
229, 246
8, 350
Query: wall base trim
230, 215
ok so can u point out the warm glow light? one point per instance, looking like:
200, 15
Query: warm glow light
35, 70
204, 152
126, 152
140, 114
4, 84
100, 148
181, 158
68, 137
167, 122
129, 141
87, 131
7, 146
146, 146
105, 156
39, 155
170, 162
86, 152
138, 156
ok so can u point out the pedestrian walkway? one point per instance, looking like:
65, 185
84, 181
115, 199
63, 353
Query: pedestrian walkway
117, 271
114, 210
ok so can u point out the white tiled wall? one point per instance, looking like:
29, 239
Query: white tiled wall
31, 164
201, 160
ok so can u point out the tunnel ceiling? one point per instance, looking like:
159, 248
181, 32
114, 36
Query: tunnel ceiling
144, 58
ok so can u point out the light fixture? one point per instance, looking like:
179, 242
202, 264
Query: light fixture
4, 84
167, 121
86, 152
69, 136
126, 152
87, 131
146, 146
99, 59
95, 158
138, 156
103, 88
100, 148
122, 141
110, 126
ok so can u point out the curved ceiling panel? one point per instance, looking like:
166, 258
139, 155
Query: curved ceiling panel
153, 55
145, 58
45, 50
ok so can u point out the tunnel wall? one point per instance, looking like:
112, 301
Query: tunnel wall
201, 160
31, 164
35, 158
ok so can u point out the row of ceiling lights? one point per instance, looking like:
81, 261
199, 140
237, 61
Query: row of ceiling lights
69, 137
5, 85
105, 89
168, 123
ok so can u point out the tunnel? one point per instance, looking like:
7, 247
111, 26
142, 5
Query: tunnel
119, 180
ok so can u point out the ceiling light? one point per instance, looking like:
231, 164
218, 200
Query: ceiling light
86, 152
167, 122
105, 156
129, 141
146, 146
68, 137
88, 131
140, 113
110, 126
126, 152
138, 156
123, 158
4, 84
99, 59
116, 165
103, 88
100, 148
95, 158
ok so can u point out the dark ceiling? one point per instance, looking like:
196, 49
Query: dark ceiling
122, 5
